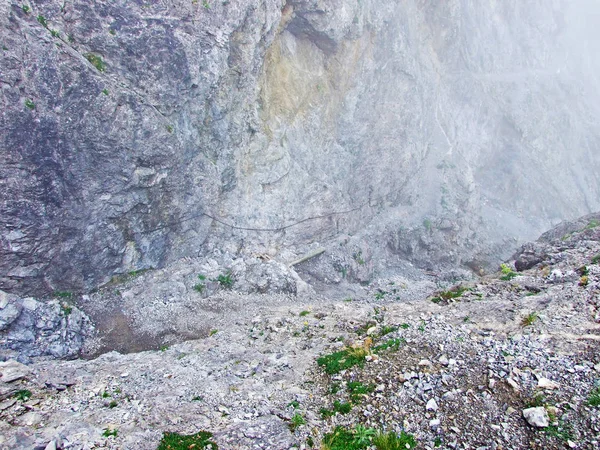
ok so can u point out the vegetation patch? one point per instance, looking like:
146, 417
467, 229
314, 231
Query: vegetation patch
342, 360
387, 330
446, 296
108, 432
96, 61
22, 395
507, 273
390, 344
338, 407
393, 441
198, 441
361, 437
225, 280
296, 421
529, 319
596, 259
357, 390
594, 398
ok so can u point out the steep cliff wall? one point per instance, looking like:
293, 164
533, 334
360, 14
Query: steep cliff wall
135, 133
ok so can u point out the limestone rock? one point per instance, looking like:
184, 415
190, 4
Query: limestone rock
536, 417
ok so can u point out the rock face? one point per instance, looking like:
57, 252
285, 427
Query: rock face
33, 328
134, 134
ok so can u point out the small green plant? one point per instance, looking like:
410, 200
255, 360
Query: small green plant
304, 313
225, 280
359, 258
592, 224
112, 31
22, 395
205, 4
357, 390
405, 326
342, 408
507, 273
341, 439
446, 296
387, 330
54, 33
380, 295
583, 281
198, 441
105, 91
437, 442
66, 309
197, 398
62, 294
199, 287
342, 360
594, 397
26, 9
42, 20
164, 348
427, 224
596, 259
108, 432
335, 388
294, 404
390, 344
170, 128
363, 435
96, 61
562, 431
105, 394
529, 319
393, 441
213, 332
29, 104
296, 421
113, 404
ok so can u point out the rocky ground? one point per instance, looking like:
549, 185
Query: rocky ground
508, 361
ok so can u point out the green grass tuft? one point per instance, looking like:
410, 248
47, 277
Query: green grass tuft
342, 360
108, 432
22, 395
507, 273
392, 441
390, 344
198, 441
96, 61
296, 421
594, 397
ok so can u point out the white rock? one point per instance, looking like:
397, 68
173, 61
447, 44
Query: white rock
371, 331
545, 383
431, 405
435, 423
443, 360
51, 446
513, 384
537, 417
12, 370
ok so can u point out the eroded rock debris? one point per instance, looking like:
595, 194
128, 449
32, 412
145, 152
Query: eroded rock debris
513, 362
